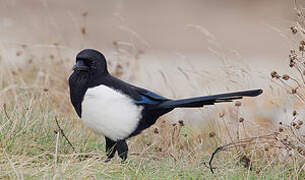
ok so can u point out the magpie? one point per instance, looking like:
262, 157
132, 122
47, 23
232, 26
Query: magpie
119, 110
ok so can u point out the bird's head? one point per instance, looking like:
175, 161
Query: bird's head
91, 61
89, 68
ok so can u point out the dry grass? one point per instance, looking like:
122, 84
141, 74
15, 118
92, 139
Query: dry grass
33, 96
30, 147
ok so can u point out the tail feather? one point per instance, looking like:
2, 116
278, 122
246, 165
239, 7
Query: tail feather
209, 100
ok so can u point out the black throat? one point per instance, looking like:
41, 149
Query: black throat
78, 84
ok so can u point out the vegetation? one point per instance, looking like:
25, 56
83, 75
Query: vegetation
32, 147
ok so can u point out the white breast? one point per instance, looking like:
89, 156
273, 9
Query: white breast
109, 112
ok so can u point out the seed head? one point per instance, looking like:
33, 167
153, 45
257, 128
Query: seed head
212, 134
281, 129
301, 48
14, 73
300, 122
83, 30
18, 53
292, 63
292, 57
294, 90
237, 103
274, 74
115, 43
293, 29
294, 113
285, 77
293, 124
181, 123
85, 14
297, 126
156, 131
221, 114
300, 150
241, 119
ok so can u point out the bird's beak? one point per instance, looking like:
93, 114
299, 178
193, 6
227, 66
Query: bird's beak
80, 66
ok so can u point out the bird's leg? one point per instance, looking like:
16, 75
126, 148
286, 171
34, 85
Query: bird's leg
111, 147
122, 149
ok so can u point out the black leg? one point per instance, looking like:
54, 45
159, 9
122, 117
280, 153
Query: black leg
110, 149
122, 149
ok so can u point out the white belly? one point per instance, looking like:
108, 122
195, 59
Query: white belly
109, 112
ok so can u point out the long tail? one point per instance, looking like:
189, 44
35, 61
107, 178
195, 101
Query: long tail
209, 100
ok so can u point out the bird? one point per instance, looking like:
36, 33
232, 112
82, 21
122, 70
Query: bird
119, 110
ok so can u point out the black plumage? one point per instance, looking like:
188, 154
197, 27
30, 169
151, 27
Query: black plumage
91, 71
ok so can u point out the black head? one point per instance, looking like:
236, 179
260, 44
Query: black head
89, 71
91, 61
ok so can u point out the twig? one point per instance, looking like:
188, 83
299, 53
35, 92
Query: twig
5, 112
234, 144
63, 134
173, 157
212, 157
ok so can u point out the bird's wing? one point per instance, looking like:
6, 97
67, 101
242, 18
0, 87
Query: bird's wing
139, 95
148, 97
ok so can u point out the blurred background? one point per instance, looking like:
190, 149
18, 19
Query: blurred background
178, 48
167, 26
